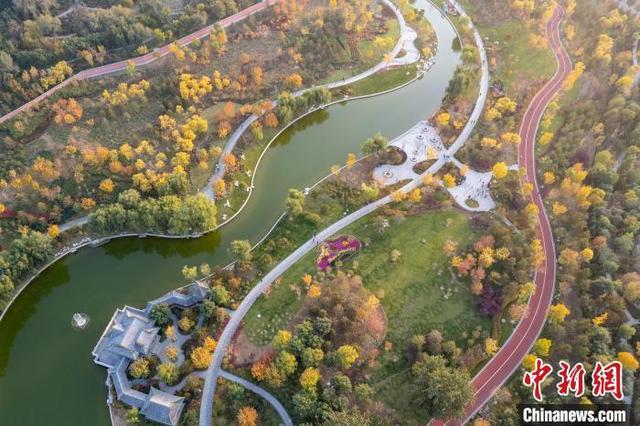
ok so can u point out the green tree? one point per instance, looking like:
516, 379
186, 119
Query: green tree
350, 417
364, 392
161, 314
242, 250
374, 145
281, 339
295, 202
208, 308
443, 391
346, 355
140, 368
168, 373
312, 357
220, 295
341, 384
132, 416
286, 363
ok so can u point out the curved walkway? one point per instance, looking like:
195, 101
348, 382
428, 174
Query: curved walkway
141, 60
263, 393
508, 359
484, 85
206, 407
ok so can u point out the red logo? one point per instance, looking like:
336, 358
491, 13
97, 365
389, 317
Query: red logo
572, 379
536, 377
607, 379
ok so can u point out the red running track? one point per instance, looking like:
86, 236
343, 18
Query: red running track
144, 59
509, 358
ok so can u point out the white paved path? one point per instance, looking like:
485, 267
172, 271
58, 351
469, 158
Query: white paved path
263, 393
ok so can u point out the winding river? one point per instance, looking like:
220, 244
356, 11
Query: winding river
47, 375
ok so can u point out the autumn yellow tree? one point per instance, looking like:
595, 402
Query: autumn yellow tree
230, 161
219, 187
549, 178
293, 81
602, 51
500, 170
53, 231
314, 291
587, 254
307, 279
224, 128
66, 111
489, 143
351, 160
510, 138
628, 361
200, 357
87, 203
505, 105
247, 416
490, 346
106, 186
448, 180
558, 208
529, 361
309, 378
573, 76
545, 138
281, 339
600, 319
538, 41
256, 75
347, 355
492, 114
542, 347
398, 196
193, 88
171, 352
271, 120
558, 312
415, 196
443, 118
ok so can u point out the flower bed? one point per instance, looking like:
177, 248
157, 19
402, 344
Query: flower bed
337, 249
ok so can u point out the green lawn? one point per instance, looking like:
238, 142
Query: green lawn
526, 64
373, 54
519, 61
410, 290
383, 80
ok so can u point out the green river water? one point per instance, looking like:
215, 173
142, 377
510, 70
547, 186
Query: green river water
47, 376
